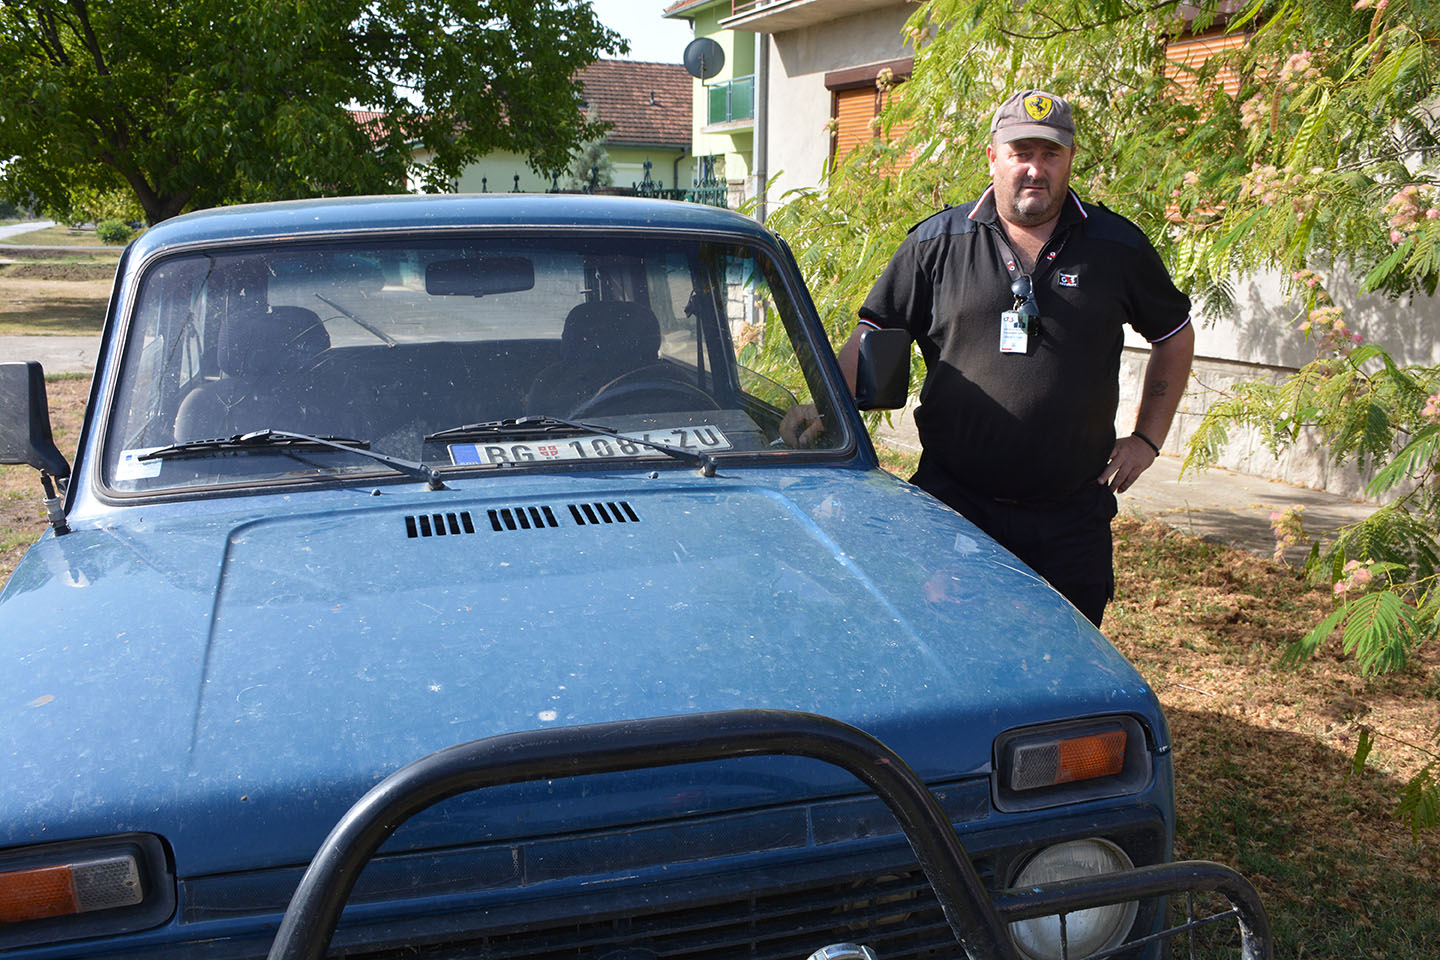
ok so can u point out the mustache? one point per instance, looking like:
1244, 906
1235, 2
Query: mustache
1031, 182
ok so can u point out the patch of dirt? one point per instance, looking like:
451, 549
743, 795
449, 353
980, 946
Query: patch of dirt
59, 270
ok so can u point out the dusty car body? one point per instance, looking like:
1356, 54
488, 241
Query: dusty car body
360, 479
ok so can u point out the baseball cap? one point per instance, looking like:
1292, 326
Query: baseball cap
1033, 113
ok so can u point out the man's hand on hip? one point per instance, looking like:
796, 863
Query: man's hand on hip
1130, 458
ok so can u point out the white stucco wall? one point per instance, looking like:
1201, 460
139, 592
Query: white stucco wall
800, 104
1259, 341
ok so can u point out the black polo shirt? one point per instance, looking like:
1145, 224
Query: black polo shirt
1034, 425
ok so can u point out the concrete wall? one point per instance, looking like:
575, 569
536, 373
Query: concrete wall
799, 102
1259, 341
496, 172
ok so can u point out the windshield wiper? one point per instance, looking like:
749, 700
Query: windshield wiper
544, 423
368, 327
257, 439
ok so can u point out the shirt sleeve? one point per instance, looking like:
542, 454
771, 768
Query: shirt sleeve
1158, 308
901, 298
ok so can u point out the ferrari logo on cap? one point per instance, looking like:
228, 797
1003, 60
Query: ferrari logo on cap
1038, 106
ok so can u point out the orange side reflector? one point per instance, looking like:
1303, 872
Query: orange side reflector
1085, 758
36, 894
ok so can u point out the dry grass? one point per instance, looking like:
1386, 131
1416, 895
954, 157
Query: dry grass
49, 292
22, 515
1263, 754
30, 306
58, 236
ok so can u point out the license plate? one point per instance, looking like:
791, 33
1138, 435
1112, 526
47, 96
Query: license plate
591, 446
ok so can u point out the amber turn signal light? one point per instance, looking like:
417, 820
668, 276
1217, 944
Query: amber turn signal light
1048, 763
65, 889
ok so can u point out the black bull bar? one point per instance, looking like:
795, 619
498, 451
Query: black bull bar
976, 917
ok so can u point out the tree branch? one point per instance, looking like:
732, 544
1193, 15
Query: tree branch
1062, 30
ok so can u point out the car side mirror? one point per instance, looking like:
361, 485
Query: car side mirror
882, 374
25, 432
25, 420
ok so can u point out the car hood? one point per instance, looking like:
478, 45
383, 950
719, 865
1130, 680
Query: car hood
233, 682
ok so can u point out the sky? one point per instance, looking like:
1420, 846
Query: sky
651, 37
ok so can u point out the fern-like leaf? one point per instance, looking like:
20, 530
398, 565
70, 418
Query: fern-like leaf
1379, 631
1420, 802
1305, 647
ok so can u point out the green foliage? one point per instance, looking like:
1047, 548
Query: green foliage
195, 103
1308, 148
88, 204
1420, 802
590, 164
113, 231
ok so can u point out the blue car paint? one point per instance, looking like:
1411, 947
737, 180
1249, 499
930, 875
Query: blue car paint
231, 672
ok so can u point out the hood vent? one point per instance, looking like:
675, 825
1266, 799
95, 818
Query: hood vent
589, 513
439, 524
518, 518
522, 518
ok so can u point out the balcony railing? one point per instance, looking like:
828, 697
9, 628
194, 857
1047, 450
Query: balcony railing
732, 100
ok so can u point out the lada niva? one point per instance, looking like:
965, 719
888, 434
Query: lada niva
360, 479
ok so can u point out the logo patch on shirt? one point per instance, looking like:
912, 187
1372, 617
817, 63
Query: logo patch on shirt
1069, 279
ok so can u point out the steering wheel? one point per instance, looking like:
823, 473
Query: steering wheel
643, 383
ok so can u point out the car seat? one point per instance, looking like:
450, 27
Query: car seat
260, 355
601, 340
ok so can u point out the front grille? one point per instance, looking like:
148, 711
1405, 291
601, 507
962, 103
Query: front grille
896, 914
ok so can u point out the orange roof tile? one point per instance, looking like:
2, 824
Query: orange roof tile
648, 103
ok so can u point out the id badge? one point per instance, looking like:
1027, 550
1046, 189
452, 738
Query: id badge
1014, 332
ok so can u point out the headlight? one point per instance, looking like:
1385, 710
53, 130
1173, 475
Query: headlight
1086, 931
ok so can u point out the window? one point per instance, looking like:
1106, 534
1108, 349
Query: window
856, 99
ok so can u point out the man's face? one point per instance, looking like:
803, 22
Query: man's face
1031, 179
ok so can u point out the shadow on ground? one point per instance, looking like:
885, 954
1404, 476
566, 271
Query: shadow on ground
1340, 877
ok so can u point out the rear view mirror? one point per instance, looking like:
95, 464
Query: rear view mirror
479, 277
25, 420
882, 375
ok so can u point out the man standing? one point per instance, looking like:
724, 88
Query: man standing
1017, 301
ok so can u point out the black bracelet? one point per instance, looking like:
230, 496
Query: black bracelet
1148, 442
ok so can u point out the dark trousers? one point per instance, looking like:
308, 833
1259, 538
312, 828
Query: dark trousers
1067, 540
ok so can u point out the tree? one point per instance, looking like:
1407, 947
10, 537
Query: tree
590, 164
193, 103
1310, 149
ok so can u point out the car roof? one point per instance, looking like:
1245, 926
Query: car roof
299, 218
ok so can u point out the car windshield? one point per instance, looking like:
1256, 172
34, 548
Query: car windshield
392, 345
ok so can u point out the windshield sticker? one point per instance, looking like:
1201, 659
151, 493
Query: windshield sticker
131, 467
591, 446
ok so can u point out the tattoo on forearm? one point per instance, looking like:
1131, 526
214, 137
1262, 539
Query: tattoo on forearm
1160, 388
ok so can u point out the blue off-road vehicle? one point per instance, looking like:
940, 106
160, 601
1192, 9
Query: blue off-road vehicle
363, 479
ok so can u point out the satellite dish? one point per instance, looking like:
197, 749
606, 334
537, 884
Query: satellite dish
703, 58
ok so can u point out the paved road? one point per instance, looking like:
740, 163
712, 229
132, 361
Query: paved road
1235, 508
56, 354
29, 226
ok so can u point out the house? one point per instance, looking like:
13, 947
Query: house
648, 106
795, 72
